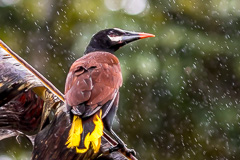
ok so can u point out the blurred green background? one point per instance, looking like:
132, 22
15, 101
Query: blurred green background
180, 96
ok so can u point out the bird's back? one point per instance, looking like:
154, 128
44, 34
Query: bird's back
93, 79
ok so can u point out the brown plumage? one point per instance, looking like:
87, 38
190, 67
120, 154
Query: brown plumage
94, 79
92, 89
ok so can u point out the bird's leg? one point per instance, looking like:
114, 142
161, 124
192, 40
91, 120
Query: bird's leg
121, 145
108, 120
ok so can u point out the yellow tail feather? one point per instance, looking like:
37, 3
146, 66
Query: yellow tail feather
75, 132
93, 138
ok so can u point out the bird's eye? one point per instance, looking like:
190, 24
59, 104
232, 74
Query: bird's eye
111, 33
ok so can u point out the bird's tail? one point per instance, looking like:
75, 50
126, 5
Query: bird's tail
86, 133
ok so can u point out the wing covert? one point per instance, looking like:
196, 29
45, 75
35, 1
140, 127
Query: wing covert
94, 85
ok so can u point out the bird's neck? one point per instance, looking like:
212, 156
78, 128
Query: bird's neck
90, 49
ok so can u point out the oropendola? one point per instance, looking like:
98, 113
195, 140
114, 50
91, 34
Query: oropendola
92, 89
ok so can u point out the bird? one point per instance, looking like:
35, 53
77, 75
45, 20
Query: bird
92, 90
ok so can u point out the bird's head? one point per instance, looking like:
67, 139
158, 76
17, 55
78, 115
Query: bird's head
110, 40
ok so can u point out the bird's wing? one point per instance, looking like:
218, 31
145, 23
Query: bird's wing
92, 83
26, 97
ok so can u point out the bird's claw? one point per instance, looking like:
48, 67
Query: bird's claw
130, 152
122, 148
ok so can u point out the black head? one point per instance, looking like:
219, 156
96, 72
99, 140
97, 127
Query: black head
110, 40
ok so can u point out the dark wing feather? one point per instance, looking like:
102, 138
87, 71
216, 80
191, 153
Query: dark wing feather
93, 80
79, 88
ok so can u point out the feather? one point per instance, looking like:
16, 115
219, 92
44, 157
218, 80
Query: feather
93, 138
75, 132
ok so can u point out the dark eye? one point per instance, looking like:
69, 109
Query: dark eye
114, 33
111, 33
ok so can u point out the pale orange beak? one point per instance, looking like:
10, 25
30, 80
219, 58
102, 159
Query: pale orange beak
145, 35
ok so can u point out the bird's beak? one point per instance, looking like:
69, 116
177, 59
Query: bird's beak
133, 36
129, 36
